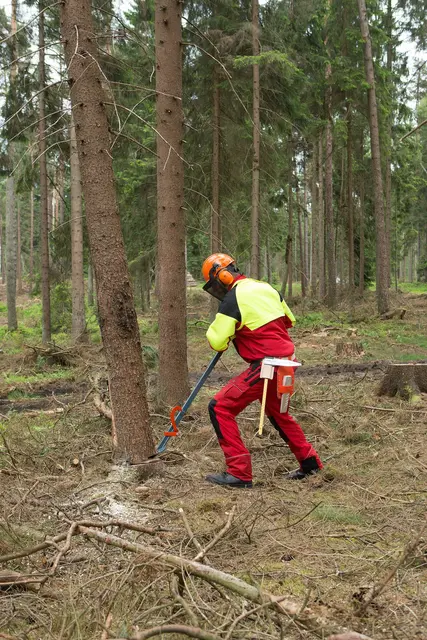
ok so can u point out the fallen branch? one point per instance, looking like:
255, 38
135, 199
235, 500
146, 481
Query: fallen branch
306, 619
29, 551
191, 632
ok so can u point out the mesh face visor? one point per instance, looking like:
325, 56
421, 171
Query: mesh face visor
215, 288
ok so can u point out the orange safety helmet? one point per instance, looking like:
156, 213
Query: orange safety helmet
216, 267
217, 275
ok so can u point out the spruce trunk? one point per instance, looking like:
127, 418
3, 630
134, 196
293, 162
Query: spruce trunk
31, 265
77, 280
331, 296
11, 244
350, 202
117, 317
173, 367
314, 274
215, 215
255, 242
382, 277
44, 211
321, 223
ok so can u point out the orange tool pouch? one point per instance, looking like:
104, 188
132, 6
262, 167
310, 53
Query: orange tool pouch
285, 386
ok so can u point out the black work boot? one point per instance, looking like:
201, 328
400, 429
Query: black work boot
308, 467
227, 480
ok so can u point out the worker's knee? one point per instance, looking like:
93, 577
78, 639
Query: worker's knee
214, 419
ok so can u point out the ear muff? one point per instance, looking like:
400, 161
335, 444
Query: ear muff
225, 277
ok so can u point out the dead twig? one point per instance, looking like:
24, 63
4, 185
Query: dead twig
189, 530
109, 620
375, 592
218, 536
184, 604
191, 632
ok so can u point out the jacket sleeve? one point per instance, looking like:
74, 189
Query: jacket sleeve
223, 328
221, 331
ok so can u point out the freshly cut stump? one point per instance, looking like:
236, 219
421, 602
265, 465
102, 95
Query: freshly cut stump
405, 380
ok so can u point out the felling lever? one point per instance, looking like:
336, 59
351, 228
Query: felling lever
176, 419
285, 383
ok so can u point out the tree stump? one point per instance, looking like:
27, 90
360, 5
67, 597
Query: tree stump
348, 349
405, 380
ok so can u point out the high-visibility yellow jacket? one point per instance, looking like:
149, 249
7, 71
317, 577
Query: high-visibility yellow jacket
256, 318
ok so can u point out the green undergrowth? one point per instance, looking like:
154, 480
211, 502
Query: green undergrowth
34, 378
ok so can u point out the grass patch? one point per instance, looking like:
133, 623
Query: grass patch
337, 514
413, 287
61, 374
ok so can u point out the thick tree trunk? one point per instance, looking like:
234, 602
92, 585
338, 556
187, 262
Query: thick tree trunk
216, 124
118, 322
382, 276
44, 212
321, 223
31, 263
300, 241
314, 274
78, 322
350, 202
255, 243
173, 367
61, 178
331, 297
306, 274
11, 245
289, 246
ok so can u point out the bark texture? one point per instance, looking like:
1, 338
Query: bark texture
321, 221
314, 273
117, 317
2, 249
173, 367
405, 380
216, 127
350, 201
362, 224
11, 245
331, 296
44, 210
382, 277
255, 244
31, 263
11, 231
78, 321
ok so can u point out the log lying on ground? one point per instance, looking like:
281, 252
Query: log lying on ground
405, 380
397, 313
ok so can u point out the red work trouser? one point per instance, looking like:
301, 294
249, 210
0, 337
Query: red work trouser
236, 396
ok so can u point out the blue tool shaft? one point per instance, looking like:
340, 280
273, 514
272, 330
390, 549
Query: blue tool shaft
162, 445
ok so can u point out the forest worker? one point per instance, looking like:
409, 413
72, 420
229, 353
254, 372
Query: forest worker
256, 318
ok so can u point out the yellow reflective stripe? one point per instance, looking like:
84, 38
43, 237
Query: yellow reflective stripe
259, 303
221, 331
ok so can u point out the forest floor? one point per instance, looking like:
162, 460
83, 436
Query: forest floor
347, 547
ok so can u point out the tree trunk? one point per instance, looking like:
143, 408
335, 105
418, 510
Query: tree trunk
61, 178
362, 223
173, 367
11, 246
350, 202
18, 252
2, 250
216, 124
255, 243
331, 297
78, 322
11, 235
306, 274
389, 141
382, 277
118, 322
314, 275
321, 225
289, 246
44, 212
31, 265
300, 241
